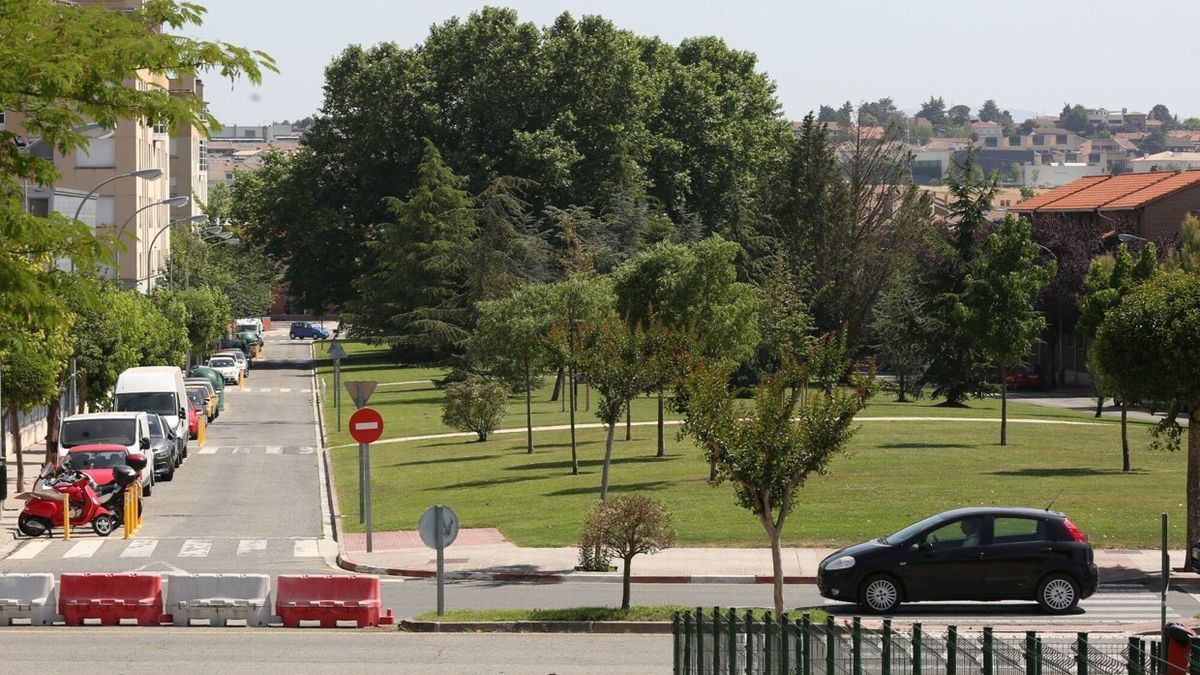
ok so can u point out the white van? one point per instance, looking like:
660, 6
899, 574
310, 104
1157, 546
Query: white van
130, 429
253, 324
159, 390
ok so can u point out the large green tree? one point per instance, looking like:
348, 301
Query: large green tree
1162, 318
998, 302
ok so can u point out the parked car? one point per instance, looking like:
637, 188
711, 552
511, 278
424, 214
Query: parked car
164, 448
236, 355
307, 329
255, 339
228, 368
1027, 377
197, 410
130, 430
99, 460
979, 553
157, 390
215, 380
208, 395
250, 323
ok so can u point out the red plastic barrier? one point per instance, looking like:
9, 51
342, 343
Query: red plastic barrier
111, 598
327, 599
1179, 648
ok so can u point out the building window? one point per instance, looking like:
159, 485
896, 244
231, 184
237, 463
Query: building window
160, 129
203, 155
1014, 141
174, 186
97, 154
174, 148
1039, 139
1060, 139
990, 141
1094, 158
1, 119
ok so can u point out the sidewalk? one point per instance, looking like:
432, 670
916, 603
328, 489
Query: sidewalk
484, 554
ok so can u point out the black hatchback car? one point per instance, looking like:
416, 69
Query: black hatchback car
967, 554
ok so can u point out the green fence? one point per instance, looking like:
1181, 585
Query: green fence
719, 643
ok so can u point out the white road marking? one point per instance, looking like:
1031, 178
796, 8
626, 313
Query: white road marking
306, 391
241, 451
29, 550
305, 548
248, 546
208, 451
84, 549
140, 548
284, 390
195, 548
275, 450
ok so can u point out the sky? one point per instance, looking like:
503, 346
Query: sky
1029, 55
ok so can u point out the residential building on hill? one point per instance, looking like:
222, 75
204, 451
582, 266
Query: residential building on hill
1147, 205
1166, 161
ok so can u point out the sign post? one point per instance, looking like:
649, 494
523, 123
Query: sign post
360, 392
366, 426
439, 529
337, 353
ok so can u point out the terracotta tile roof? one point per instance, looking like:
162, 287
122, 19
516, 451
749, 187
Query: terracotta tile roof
1123, 192
1038, 201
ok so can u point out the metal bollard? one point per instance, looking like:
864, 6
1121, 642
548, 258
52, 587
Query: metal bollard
66, 517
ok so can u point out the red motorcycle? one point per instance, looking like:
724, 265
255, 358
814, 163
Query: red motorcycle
98, 506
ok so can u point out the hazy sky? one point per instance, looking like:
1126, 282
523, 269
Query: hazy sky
1030, 55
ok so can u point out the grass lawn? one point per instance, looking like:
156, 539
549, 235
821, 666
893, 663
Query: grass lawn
635, 613
894, 473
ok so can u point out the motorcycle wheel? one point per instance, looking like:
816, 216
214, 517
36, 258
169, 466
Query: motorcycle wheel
33, 526
104, 525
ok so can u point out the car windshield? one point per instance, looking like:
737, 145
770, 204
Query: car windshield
147, 401
912, 530
221, 363
85, 432
155, 428
196, 396
97, 459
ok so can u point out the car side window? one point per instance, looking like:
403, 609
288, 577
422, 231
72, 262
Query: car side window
1018, 530
956, 534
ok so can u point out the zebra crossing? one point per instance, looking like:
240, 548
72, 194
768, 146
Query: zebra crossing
1112, 605
253, 450
166, 548
271, 390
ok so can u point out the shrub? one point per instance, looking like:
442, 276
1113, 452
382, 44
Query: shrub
475, 404
625, 527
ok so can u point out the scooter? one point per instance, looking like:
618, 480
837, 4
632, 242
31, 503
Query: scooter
88, 503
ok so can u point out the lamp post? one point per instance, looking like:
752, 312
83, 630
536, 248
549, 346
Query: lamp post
201, 218
179, 201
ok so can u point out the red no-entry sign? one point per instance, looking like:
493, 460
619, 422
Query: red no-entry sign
366, 425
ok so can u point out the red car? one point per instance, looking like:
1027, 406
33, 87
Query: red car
195, 408
99, 460
1027, 377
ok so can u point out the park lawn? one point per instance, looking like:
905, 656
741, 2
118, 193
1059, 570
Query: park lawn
893, 474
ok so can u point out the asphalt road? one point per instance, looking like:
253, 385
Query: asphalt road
248, 501
265, 650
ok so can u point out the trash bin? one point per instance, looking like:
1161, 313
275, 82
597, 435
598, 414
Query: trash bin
1179, 648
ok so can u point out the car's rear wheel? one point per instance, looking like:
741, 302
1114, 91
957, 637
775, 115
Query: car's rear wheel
1058, 594
880, 594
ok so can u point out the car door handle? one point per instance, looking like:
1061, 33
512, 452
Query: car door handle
981, 556
1048, 549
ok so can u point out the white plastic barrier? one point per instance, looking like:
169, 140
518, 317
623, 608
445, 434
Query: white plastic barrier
219, 598
28, 597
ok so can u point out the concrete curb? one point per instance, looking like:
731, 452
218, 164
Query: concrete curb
567, 577
638, 627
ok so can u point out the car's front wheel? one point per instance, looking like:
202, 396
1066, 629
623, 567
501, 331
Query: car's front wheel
880, 594
1058, 594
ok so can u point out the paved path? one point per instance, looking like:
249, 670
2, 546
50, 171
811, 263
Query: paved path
1079, 401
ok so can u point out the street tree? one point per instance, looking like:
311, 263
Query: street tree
207, 315
31, 363
899, 328
1073, 118
621, 360
768, 450
512, 341
625, 527
1106, 286
475, 404
989, 111
578, 301
959, 115
998, 302
1162, 318
934, 110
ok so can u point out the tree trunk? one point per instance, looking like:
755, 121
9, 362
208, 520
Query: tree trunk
776, 566
712, 469
608, 443
14, 426
901, 398
1124, 436
629, 420
1004, 406
528, 408
53, 417
1099, 405
571, 393
587, 395
558, 383
83, 395
625, 583
662, 448
1193, 479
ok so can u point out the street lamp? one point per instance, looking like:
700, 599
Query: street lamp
201, 218
144, 174
179, 201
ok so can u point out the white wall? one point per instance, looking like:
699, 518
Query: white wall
1054, 175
